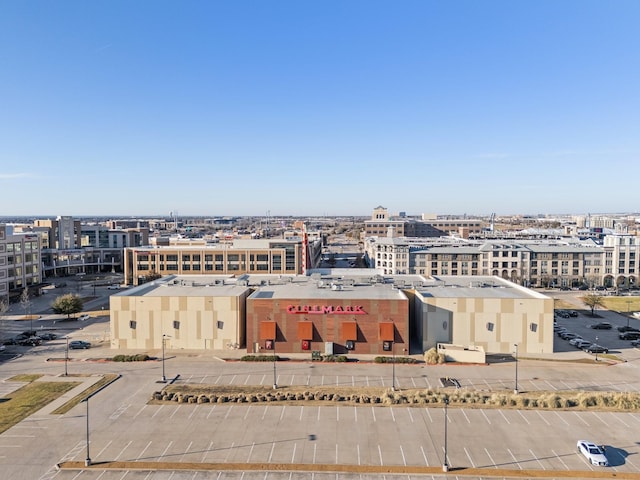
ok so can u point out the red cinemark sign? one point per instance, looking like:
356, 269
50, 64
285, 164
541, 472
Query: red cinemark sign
326, 309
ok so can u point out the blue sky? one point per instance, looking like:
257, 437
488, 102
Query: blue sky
319, 107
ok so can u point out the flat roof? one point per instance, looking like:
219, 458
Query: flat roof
336, 285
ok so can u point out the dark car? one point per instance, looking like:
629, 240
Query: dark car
595, 348
602, 326
626, 328
635, 343
30, 342
564, 314
629, 336
573, 313
79, 344
48, 336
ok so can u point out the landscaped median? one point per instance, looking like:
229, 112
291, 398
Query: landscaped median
380, 470
378, 396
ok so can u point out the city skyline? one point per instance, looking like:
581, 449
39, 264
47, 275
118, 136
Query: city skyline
319, 109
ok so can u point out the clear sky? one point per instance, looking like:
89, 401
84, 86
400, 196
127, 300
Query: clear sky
327, 107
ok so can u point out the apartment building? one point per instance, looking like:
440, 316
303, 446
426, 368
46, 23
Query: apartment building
539, 263
20, 262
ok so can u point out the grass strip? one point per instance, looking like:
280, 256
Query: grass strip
104, 381
29, 399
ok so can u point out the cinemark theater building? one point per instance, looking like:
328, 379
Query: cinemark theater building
336, 316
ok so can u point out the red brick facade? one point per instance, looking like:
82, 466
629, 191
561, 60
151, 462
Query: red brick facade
328, 321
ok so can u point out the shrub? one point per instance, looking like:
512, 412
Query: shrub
140, 357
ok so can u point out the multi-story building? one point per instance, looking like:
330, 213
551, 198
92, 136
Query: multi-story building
383, 224
20, 263
541, 263
69, 247
262, 256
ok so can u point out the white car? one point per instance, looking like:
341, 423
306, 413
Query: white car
574, 341
113, 287
84, 317
593, 453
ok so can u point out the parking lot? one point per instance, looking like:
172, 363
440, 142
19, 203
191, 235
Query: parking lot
122, 427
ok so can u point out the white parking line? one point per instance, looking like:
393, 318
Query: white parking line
165, 451
104, 448
293, 455
392, 415
140, 411
122, 451
336, 453
485, 416
186, 451
551, 386
380, 454
301, 411
558, 415
404, 460
505, 418
543, 419
251, 451
523, 417
514, 459
204, 455
465, 415
490, 458
537, 459
195, 409
144, 450
273, 446
247, 412
373, 412
358, 451
559, 457
410, 416
581, 419
424, 455
211, 411
157, 411
473, 465
174, 412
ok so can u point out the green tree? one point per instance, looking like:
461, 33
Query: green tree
592, 301
67, 304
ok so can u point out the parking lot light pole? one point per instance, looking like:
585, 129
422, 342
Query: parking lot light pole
596, 348
164, 378
393, 368
275, 360
66, 357
515, 390
628, 311
445, 463
87, 460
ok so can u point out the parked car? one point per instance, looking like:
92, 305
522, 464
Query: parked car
563, 314
602, 326
581, 344
48, 336
629, 336
573, 313
635, 343
568, 335
627, 328
79, 344
593, 453
113, 287
30, 342
84, 317
595, 348
575, 340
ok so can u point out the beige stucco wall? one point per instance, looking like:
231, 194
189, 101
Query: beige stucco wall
204, 322
495, 324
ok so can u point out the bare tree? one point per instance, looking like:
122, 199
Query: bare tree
592, 301
25, 302
4, 306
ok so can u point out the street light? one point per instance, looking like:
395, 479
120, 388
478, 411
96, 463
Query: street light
393, 368
164, 378
628, 311
87, 460
596, 349
275, 358
445, 464
66, 357
515, 390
